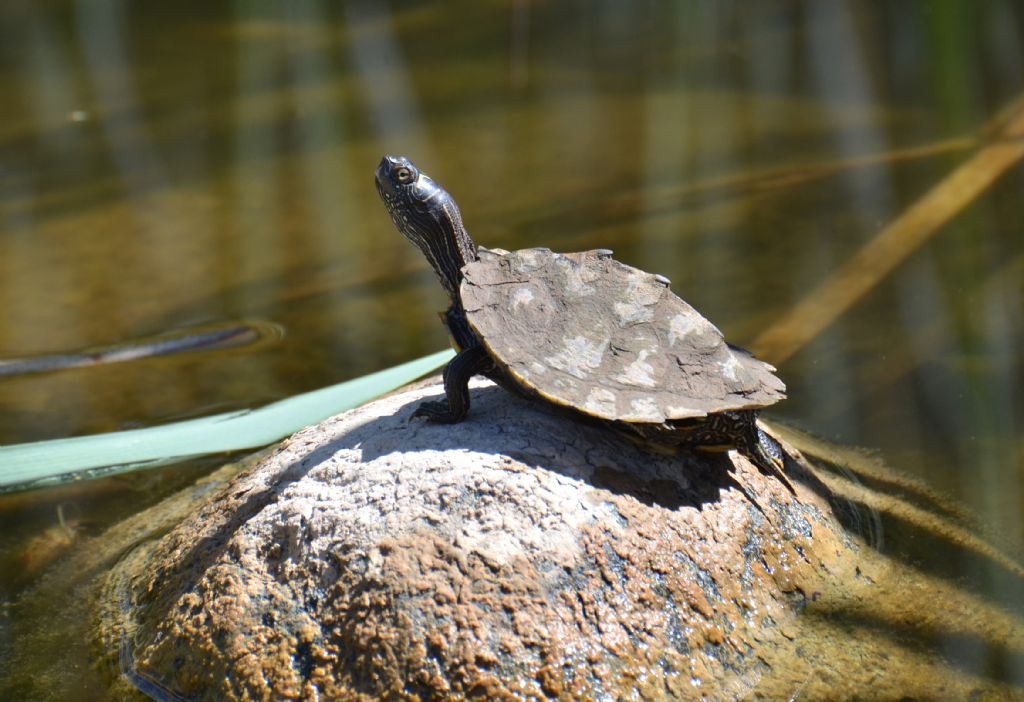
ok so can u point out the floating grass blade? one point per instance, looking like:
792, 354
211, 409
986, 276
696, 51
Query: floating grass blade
56, 461
208, 337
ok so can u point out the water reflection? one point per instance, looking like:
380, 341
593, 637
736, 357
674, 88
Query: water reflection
170, 166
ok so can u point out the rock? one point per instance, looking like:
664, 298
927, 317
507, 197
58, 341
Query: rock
513, 555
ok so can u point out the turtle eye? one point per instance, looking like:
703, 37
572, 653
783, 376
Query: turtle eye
404, 175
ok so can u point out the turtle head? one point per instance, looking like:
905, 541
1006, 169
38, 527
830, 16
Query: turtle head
425, 214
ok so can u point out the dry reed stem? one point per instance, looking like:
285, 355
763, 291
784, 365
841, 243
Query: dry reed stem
880, 256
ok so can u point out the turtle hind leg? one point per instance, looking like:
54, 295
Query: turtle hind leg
762, 450
773, 457
740, 430
465, 365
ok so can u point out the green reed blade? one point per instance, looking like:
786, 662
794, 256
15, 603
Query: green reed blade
77, 458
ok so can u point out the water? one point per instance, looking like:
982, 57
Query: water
170, 166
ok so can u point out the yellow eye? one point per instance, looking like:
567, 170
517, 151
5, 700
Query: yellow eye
404, 175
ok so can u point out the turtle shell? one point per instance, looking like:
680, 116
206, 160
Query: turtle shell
588, 332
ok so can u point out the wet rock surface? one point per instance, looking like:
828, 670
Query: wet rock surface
514, 555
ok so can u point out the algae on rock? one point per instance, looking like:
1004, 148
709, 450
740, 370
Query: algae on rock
515, 555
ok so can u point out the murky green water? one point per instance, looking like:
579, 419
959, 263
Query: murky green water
163, 166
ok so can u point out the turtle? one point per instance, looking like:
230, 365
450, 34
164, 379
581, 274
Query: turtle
598, 339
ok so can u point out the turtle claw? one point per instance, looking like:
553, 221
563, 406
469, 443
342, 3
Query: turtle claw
434, 411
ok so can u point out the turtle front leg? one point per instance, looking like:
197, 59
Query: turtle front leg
469, 362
